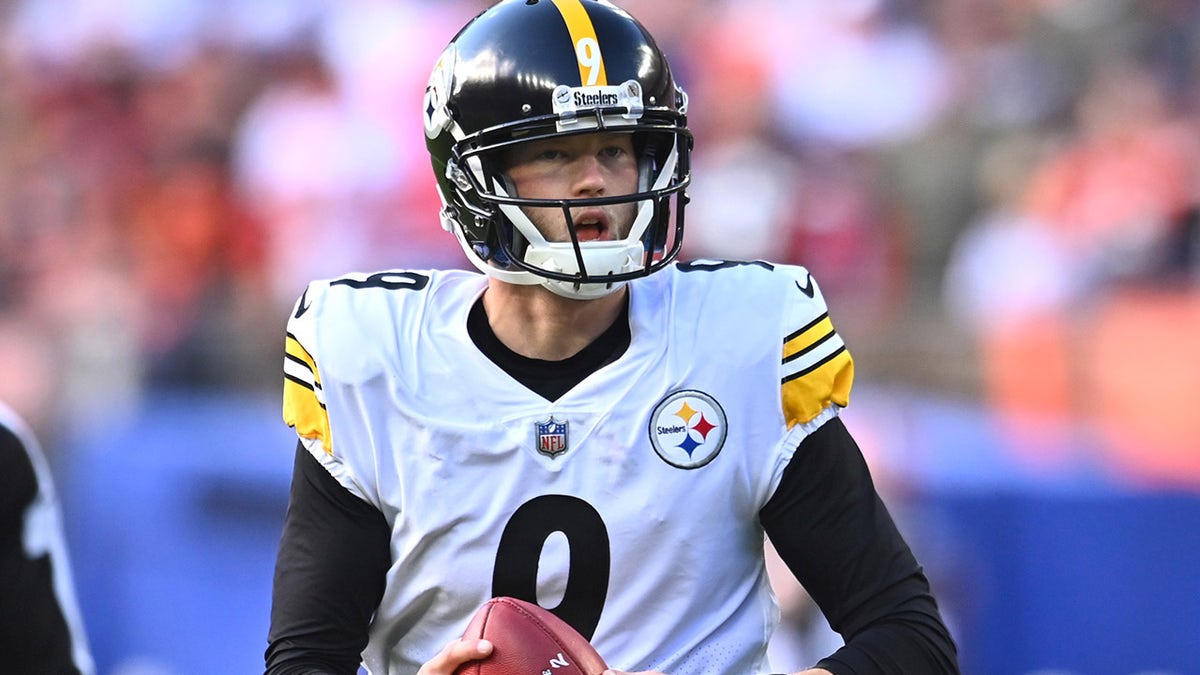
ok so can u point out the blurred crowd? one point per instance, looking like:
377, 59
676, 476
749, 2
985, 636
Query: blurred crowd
994, 194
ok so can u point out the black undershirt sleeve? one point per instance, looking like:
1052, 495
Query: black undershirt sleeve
836, 536
329, 576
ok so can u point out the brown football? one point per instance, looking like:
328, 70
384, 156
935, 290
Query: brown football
528, 640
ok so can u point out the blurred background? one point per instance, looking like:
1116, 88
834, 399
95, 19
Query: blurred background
998, 197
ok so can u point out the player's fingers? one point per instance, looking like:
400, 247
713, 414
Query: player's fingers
454, 655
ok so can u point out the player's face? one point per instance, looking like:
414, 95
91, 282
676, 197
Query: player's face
574, 167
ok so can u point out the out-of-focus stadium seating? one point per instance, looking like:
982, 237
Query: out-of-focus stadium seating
998, 198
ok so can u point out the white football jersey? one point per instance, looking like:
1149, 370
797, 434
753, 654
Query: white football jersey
630, 505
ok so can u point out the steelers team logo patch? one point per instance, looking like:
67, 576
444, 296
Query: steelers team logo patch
688, 428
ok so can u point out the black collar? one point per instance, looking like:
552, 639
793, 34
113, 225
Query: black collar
550, 379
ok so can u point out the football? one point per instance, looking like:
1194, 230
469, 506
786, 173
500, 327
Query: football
528, 640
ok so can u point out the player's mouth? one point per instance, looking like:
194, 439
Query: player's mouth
591, 225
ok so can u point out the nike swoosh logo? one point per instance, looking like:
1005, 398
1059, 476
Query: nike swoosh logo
303, 306
807, 289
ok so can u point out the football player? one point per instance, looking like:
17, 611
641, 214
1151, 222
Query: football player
41, 630
585, 423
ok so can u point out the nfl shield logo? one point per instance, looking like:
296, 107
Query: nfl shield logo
550, 437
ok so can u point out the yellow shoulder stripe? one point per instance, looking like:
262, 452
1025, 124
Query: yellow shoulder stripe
821, 328
303, 397
817, 371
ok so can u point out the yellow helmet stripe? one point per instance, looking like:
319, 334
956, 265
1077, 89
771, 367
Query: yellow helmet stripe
587, 46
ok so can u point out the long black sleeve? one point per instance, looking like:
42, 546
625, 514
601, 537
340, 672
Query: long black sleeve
833, 531
329, 576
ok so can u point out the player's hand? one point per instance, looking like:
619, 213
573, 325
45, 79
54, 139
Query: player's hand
454, 655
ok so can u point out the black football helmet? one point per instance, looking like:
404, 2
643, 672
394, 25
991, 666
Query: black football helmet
527, 70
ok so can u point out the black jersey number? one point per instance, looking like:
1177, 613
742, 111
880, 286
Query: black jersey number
520, 552
714, 265
391, 281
